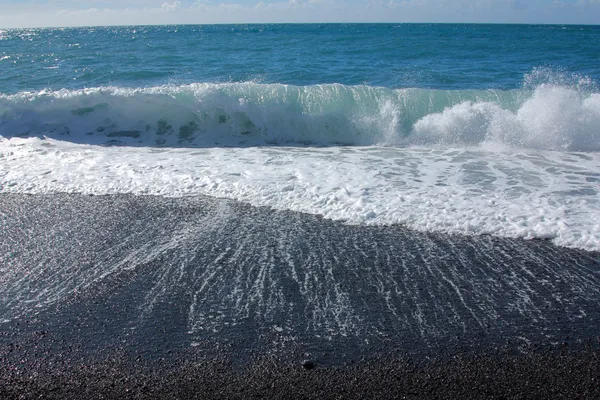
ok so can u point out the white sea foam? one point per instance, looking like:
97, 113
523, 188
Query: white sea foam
554, 117
471, 162
526, 194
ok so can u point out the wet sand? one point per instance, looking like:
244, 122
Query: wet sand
125, 296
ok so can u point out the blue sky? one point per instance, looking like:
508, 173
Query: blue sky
33, 13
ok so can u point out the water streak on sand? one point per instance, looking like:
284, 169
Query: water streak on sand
215, 268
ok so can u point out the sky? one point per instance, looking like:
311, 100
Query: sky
39, 13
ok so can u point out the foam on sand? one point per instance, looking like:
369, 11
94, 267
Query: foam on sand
528, 194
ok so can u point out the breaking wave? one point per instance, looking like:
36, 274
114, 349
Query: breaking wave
550, 116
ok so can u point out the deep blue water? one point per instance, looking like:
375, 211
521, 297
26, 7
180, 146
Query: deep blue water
439, 56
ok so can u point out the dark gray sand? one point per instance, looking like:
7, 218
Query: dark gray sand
125, 296
537, 374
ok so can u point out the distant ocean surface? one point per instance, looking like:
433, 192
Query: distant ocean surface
463, 129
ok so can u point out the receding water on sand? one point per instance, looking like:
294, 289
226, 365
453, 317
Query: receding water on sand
153, 275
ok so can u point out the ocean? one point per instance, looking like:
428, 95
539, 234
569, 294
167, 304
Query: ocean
316, 191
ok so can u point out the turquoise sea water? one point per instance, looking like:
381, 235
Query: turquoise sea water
436, 56
307, 84
471, 129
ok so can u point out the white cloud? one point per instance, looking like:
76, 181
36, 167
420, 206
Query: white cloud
171, 7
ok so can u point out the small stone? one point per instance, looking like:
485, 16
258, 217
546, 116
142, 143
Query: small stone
307, 364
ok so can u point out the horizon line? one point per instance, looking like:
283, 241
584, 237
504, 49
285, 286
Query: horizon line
301, 23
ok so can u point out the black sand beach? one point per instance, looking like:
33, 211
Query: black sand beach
149, 297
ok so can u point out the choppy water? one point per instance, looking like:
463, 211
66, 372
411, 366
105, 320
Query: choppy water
472, 129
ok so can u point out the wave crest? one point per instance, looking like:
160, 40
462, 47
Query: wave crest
548, 116
552, 118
